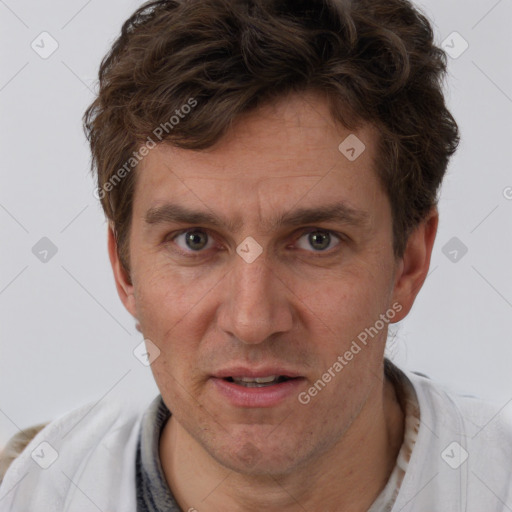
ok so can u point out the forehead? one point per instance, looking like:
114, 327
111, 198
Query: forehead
283, 154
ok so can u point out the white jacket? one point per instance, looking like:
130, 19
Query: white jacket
96, 447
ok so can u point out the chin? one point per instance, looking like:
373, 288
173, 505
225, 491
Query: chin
259, 457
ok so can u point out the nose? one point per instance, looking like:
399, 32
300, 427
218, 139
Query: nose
255, 302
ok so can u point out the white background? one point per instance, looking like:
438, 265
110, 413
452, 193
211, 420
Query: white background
65, 337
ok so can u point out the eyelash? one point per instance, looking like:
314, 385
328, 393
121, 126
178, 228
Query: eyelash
197, 254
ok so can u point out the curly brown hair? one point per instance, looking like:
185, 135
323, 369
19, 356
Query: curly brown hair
374, 61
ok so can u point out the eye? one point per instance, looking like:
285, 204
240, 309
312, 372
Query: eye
320, 239
194, 240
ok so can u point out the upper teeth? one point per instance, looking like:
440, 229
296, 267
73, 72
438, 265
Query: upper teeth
258, 380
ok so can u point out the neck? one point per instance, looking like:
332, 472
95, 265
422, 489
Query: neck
350, 476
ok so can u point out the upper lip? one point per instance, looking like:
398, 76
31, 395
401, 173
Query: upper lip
267, 371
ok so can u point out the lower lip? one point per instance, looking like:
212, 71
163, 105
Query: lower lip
267, 396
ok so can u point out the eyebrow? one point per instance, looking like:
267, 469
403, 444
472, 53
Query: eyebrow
337, 212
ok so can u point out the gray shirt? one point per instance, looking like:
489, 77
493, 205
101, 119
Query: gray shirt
153, 493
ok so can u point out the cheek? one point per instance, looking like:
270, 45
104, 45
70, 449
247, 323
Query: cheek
175, 310
166, 295
345, 304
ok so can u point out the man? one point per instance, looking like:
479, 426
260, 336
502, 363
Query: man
270, 173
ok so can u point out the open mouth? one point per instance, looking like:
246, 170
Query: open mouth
258, 382
245, 387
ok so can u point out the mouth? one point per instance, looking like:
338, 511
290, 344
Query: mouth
243, 387
258, 382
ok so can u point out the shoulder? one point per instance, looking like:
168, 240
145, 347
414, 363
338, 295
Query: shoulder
92, 447
462, 459
16, 445
449, 408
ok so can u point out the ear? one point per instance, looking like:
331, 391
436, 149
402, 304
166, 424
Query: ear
123, 283
412, 268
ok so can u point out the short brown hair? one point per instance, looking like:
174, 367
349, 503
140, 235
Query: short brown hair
374, 60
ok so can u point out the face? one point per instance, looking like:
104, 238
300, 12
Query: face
264, 257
